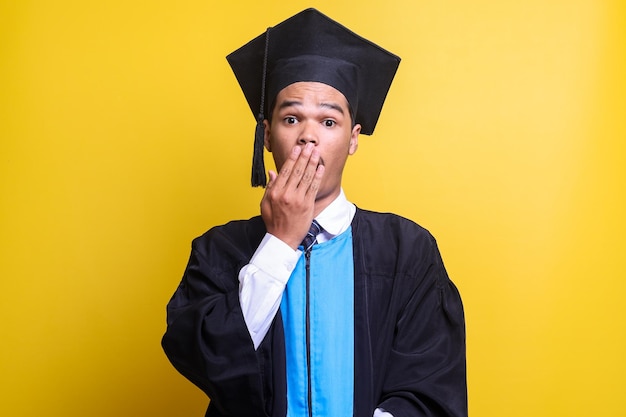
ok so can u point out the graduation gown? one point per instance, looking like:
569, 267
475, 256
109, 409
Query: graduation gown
409, 333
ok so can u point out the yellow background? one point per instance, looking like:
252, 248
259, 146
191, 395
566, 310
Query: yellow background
123, 135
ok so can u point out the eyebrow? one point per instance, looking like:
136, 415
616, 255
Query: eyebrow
333, 106
289, 103
296, 103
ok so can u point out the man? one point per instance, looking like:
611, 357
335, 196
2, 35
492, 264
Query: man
317, 307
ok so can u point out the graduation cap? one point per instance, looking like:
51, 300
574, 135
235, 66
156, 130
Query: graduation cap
310, 46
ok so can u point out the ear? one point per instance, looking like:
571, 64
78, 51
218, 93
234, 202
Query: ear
354, 139
266, 135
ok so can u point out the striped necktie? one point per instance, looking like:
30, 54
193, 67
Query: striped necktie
311, 237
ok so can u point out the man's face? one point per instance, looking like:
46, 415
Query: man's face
317, 113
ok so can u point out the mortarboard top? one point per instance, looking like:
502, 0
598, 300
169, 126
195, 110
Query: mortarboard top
310, 46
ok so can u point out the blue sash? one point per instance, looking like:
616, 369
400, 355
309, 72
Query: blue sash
331, 306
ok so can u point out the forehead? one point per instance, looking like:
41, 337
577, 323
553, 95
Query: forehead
309, 91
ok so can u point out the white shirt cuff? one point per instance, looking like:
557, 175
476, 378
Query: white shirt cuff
379, 412
276, 258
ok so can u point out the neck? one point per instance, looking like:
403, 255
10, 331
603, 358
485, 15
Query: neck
323, 201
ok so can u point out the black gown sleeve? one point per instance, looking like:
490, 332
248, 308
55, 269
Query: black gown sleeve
207, 339
426, 370
410, 332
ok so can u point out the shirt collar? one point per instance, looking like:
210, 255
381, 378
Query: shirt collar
337, 217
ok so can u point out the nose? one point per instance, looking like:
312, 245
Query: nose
307, 135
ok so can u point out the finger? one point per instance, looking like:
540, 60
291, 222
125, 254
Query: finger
272, 175
300, 166
268, 190
314, 187
310, 170
285, 171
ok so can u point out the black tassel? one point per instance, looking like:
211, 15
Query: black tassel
259, 179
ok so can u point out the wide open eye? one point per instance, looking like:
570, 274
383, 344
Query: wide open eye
329, 123
290, 120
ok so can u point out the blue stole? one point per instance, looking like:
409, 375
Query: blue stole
331, 327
